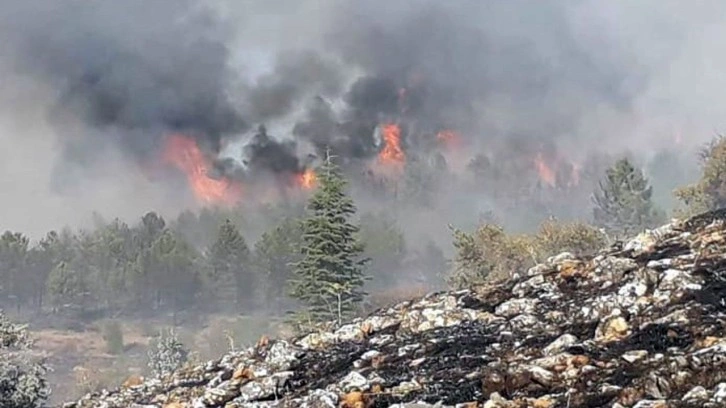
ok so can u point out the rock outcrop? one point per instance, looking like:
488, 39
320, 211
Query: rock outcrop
642, 324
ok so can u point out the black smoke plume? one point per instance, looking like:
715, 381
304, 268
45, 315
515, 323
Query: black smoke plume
132, 72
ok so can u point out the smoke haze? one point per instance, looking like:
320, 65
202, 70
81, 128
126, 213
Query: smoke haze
90, 90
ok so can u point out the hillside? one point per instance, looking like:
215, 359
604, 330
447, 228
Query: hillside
642, 324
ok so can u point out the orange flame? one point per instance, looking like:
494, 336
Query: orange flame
183, 152
546, 174
307, 179
392, 154
449, 138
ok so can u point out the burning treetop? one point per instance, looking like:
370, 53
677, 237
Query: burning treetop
183, 152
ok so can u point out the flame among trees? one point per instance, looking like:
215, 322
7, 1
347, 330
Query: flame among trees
392, 154
557, 172
182, 152
450, 139
307, 179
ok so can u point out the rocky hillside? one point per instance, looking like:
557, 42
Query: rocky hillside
639, 325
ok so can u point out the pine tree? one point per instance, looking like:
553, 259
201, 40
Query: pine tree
67, 285
171, 262
623, 204
229, 263
14, 281
330, 276
275, 253
167, 353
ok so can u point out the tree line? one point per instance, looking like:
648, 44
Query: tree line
205, 261
201, 261
623, 206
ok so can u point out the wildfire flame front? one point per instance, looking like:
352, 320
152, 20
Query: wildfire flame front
182, 152
392, 154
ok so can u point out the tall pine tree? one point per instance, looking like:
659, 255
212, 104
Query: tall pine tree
623, 204
275, 253
230, 272
330, 277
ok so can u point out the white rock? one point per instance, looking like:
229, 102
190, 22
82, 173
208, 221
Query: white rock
515, 307
496, 401
697, 393
635, 355
674, 279
544, 377
564, 256
370, 354
720, 393
353, 381
650, 404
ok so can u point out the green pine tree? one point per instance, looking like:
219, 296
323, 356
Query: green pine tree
276, 252
229, 266
67, 285
330, 277
14, 281
623, 202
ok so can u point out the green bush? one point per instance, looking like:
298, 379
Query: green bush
491, 254
708, 193
167, 353
555, 237
22, 380
113, 336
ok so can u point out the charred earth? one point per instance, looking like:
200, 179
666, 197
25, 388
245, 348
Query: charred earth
641, 324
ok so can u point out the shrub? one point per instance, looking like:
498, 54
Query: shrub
167, 353
22, 381
114, 337
391, 297
709, 192
491, 254
578, 238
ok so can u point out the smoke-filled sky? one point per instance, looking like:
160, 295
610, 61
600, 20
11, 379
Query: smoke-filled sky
90, 89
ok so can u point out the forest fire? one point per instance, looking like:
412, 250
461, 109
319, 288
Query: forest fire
307, 179
182, 152
449, 139
392, 154
557, 172
545, 172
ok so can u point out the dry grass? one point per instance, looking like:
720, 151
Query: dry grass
390, 297
82, 363
226, 332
